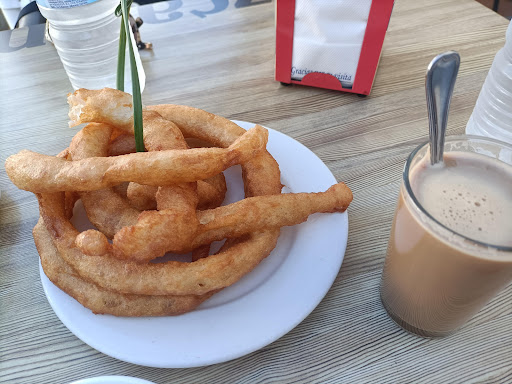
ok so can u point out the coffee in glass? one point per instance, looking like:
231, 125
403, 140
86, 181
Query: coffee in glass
450, 249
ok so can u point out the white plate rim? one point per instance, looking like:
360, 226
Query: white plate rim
257, 310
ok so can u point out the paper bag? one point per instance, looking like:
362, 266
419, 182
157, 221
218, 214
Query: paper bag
330, 44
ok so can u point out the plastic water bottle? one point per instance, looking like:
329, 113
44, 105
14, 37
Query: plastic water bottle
492, 115
86, 36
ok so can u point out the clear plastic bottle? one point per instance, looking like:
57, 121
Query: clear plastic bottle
86, 36
492, 116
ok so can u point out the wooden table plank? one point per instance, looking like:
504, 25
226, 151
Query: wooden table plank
224, 63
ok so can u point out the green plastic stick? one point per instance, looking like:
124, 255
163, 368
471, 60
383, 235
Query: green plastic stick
121, 57
137, 99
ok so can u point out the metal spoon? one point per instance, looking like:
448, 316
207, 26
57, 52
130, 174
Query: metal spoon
439, 82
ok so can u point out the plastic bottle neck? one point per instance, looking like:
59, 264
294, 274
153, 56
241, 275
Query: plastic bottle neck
508, 43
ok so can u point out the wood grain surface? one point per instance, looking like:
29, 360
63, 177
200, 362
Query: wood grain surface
223, 61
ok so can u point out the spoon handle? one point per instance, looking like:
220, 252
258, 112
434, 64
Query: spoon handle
439, 82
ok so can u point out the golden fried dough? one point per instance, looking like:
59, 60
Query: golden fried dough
102, 301
45, 174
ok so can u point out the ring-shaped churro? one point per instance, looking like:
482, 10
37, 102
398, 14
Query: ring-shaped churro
174, 278
118, 276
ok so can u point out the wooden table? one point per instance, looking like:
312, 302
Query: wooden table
222, 60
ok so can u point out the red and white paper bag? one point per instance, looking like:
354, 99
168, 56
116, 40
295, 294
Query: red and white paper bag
330, 44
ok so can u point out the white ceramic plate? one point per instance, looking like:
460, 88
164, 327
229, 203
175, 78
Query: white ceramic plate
260, 308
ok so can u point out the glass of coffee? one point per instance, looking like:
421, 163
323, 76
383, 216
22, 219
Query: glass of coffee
450, 248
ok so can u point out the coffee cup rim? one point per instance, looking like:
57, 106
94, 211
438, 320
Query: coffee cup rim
410, 192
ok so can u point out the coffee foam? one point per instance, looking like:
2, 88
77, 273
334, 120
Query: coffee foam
471, 194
